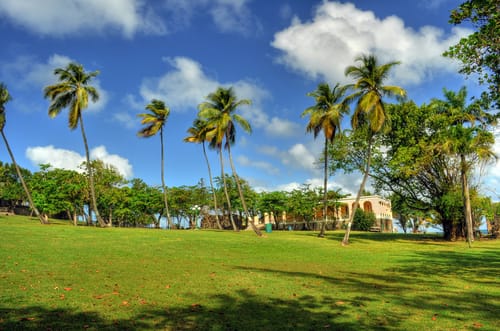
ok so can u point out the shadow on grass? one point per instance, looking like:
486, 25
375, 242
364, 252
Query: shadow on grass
452, 285
241, 311
378, 236
423, 284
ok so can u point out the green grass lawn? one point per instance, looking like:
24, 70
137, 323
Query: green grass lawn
60, 277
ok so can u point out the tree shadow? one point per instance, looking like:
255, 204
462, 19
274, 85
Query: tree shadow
423, 284
357, 236
241, 310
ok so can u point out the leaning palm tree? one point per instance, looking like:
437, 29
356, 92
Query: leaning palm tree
4, 98
198, 134
154, 122
73, 92
326, 116
369, 112
220, 113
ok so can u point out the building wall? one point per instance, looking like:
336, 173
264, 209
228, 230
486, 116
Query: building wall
381, 207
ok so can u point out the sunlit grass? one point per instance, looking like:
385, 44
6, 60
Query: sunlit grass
61, 277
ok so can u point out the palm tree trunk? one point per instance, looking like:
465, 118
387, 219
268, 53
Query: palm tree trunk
212, 187
240, 192
225, 190
325, 186
91, 178
23, 183
466, 199
345, 241
164, 188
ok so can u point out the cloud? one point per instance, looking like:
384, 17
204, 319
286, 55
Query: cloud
261, 165
229, 16
339, 32
299, 156
282, 127
61, 18
182, 88
67, 159
29, 73
187, 85
129, 121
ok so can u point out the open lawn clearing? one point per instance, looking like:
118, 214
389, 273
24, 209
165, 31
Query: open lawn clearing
61, 277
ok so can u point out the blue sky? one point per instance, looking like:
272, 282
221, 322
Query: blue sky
272, 52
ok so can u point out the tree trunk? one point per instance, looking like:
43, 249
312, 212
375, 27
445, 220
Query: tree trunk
23, 183
466, 198
240, 192
91, 178
225, 190
345, 241
212, 187
165, 193
325, 186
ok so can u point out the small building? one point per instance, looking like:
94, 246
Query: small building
381, 207
372, 203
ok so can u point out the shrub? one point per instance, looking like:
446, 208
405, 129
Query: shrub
363, 221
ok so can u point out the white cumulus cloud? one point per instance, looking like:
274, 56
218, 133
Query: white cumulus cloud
71, 160
261, 165
29, 72
72, 17
339, 32
187, 85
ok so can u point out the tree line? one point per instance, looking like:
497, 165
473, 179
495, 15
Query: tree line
64, 194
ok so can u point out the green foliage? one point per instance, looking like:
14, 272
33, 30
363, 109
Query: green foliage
363, 220
302, 203
11, 189
479, 52
58, 190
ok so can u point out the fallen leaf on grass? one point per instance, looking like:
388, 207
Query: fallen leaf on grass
67, 288
125, 303
477, 325
98, 296
339, 303
195, 307
167, 286
434, 317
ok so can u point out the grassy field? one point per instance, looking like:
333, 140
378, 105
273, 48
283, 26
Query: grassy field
60, 277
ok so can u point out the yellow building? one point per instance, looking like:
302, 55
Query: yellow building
372, 203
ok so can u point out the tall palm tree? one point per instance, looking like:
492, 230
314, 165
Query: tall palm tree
155, 122
220, 112
73, 92
326, 116
198, 134
4, 98
467, 138
369, 112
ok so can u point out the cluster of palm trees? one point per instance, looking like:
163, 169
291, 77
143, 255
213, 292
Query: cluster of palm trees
368, 91
217, 118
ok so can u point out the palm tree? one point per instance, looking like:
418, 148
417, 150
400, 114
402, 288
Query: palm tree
4, 98
326, 116
72, 92
220, 113
154, 122
465, 139
369, 112
198, 134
